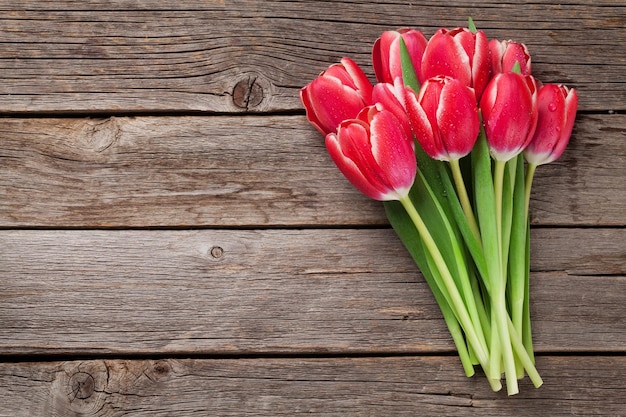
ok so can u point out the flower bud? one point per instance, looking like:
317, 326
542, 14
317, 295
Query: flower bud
444, 118
339, 93
459, 54
504, 55
374, 154
556, 106
392, 98
386, 53
509, 110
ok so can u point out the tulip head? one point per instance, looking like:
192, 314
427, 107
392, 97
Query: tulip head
556, 106
386, 53
509, 110
504, 55
392, 98
444, 118
459, 54
375, 154
339, 93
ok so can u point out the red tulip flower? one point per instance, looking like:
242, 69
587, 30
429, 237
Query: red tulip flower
339, 93
504, 55
392, 98
444, 118
375, 154
509, 110
459, 54
386, 53
557, 110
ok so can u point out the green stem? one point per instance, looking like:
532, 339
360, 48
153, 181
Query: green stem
530, 173
453, 324
507, 210
523, 356
527, 336
458, 260
480, 306
433, 277
495, 350
464, 198
502, 319
518, 271
466, 352
459, 342
448, 281
498, 180
527, 333
499, 293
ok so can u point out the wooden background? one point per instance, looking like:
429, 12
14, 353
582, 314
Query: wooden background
175, 241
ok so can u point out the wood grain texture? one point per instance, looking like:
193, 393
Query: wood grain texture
281, 291
250, 56
402, 386
252, 171
192, 250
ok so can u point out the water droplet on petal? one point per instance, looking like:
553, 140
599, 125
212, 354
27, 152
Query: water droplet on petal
552, 106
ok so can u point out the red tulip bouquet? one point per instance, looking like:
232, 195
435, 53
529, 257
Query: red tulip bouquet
449, 138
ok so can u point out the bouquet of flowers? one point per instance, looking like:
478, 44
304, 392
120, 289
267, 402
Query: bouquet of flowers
449, 139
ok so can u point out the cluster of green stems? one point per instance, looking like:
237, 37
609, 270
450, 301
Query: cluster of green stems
474, 254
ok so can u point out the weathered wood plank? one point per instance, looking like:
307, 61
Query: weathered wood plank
381, 386
278, 291
121, 57
248, 171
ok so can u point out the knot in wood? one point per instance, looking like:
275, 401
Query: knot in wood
248, 93
161, 368
216, 252
99, 135
82, 385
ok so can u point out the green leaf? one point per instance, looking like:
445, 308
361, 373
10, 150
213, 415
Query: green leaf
473, 245
464, 350
409, 76
470, 25
517, 68
406, 231
431, 204
487, 198
486, 210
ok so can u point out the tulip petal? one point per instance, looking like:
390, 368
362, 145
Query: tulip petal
386, 53
505, 55
457, 119
415, 42
509, 114
392, 98
360, 80
421, 126
480, 64
328, 102
392, 152
350, 168
557, 111
381, 55
374, 154
446, 56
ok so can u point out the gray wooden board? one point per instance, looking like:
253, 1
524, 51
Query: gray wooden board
248, 171
278, 291
146, 254
238, 56
380, 386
